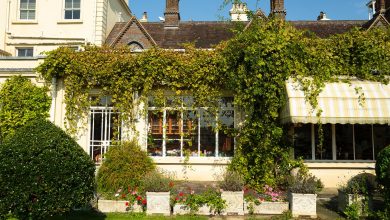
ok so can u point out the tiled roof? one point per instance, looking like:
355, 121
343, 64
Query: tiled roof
207, 34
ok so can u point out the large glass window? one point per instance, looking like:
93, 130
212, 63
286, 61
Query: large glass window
72, 9
341, 141
27, 9
177, 128
104, 128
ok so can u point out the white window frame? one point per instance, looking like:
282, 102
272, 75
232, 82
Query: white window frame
105, 142
20, 9
164, 111
71, 9
24, 48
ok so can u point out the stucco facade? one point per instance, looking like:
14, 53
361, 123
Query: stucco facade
49, 29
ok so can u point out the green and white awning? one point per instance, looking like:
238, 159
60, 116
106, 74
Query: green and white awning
340, 104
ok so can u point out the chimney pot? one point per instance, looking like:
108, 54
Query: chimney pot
144, 17
277, 9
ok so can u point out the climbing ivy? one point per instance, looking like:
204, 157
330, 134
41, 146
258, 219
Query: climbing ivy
21, 101
253, 66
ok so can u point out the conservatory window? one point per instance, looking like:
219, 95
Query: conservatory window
341, 141
174, 130
104, 127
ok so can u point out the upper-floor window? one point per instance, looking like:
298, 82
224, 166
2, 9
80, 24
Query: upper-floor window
72, 9
25, 52
27, 9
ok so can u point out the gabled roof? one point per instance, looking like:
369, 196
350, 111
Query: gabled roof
377, 21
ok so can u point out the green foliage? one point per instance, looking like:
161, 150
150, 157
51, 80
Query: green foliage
305, 184
43, 172
157, 181
20, 102
382, 169
253, 66
124, 165
212, 198
364, 184
231, 181
352, 211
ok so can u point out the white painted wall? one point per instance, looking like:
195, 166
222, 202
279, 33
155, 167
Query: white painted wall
50, 29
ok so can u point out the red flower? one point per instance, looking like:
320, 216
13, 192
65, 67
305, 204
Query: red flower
144, 202
181, 194
123, 195
127, 203
171, 184
177, 198
139, 198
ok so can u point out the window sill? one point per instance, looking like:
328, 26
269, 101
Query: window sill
25, 22
70, 21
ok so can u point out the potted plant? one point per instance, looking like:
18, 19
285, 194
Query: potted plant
157, 186
356, 195
232, 192
206, 203
270, 201
303, 189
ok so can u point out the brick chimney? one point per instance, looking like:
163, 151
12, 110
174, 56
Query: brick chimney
277, 9
172, 15
380, 6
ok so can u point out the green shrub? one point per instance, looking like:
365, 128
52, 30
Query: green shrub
363, 183
232, 181
124, 165
43, 172
156, 181
21, 101
382, 169
305, 183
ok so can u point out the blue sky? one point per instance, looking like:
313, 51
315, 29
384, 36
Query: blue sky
205, 10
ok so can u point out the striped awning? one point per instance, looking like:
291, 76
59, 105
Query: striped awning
340, 103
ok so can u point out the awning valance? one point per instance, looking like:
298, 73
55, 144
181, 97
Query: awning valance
340, 104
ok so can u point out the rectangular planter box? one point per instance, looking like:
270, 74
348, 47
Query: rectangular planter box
267, 208
303, 204
180, 209
234, 202
117, 206
345, 200
158, 203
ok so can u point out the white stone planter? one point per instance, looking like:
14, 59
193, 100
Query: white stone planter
158, 203
267, 208
345, 200
303, 204
117, 206
234, 202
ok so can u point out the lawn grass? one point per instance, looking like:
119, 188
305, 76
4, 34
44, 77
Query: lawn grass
91, 215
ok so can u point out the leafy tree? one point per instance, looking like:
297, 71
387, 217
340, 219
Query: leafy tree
20, 102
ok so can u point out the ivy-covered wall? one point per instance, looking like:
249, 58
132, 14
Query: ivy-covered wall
253, 66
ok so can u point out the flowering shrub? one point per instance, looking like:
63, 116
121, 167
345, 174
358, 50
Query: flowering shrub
132, 196
271, 195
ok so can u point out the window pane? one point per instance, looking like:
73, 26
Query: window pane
302, 141
23, 4
207, 134
381, 137
76, 14
68, 4
25, 52
31, 14
32, 4
173, 132
324, 152
190, 132
226, 141
363, 142
68, 14
344, 142
23, 14
76, 3
155, 133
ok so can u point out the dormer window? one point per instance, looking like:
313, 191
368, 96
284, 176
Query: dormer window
72, 9
27, 9
135, 46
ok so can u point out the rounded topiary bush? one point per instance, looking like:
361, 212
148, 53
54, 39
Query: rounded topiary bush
382, 167
124, 165
43, 172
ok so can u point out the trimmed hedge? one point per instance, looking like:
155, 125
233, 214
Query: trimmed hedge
124, 165
44, 172
382, 169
